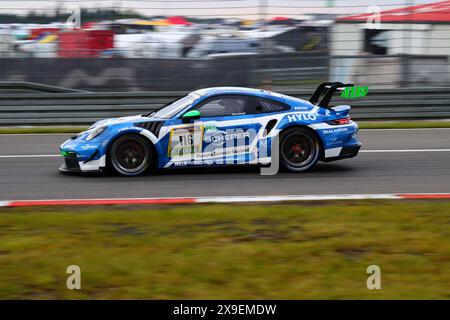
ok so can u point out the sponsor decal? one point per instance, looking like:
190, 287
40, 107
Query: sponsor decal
337, 130
187, 148
88, 147
301, 117
335, 142
301, 108
355, 92
69, 146
210, 127
185, 140
191, 146
195, 162
220, 136
219, 152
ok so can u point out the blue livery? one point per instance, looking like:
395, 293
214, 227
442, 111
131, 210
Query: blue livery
219, 126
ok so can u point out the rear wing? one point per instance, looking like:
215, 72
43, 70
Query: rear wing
329, 88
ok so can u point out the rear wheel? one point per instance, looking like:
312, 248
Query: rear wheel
299, 149
130, 155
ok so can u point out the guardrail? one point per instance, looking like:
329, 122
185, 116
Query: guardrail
24, 86
86, 108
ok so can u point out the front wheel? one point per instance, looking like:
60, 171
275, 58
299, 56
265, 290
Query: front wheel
130, 155
299, 149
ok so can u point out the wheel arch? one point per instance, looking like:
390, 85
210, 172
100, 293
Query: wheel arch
314, 132
131, 132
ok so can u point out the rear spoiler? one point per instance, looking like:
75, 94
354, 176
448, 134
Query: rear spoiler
330, 88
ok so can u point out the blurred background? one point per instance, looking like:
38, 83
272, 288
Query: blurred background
149, 45
67, 64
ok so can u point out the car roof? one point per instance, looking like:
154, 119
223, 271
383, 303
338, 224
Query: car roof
207, 92
237, 90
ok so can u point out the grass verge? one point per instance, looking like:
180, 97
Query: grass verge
303, 251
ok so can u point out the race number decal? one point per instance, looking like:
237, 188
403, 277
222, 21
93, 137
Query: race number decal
185, 141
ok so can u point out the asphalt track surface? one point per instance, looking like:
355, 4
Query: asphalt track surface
391, 161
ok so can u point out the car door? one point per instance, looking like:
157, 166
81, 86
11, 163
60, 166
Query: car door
224, 133
266, 115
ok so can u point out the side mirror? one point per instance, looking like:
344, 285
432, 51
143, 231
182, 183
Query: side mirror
191, 115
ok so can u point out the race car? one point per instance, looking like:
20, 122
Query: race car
219, 126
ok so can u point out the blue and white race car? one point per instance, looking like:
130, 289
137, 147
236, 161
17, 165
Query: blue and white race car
219, 126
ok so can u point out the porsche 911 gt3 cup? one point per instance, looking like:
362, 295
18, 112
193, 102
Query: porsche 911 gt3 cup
219, 126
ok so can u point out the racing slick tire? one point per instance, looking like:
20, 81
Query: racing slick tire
130, 155
299, 149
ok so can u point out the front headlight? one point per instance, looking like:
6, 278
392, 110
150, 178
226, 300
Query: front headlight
95, 133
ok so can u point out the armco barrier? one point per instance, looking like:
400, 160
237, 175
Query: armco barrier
85, 108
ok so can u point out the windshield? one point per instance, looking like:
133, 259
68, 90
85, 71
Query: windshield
173, 108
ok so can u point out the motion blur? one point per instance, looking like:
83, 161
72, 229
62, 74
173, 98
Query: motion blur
373, 226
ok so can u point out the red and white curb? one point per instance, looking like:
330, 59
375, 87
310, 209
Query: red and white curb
224, 199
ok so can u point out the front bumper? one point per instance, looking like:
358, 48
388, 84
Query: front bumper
70, 165
82, 156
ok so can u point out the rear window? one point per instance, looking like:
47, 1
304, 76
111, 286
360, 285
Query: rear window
268, 106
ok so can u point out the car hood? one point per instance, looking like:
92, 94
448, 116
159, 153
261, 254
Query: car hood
113, 121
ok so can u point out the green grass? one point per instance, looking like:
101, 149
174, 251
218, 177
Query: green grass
295, 251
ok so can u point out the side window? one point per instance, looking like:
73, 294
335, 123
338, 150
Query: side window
223, 106
268, 106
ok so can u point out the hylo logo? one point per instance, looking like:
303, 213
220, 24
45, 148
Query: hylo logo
302, 117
